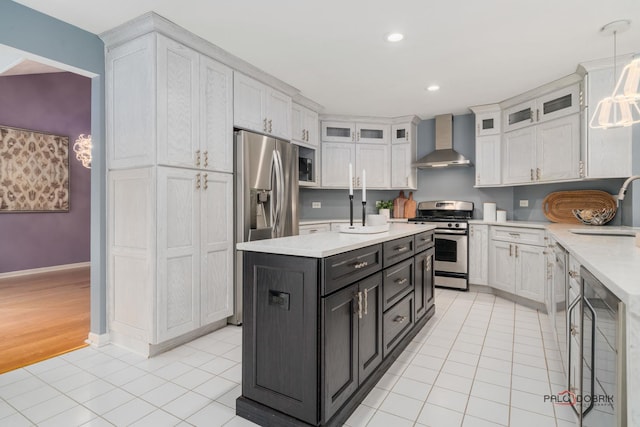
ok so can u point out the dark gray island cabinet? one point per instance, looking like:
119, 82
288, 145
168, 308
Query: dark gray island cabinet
320, 331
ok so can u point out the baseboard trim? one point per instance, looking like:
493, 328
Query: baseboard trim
19, 273
98, 340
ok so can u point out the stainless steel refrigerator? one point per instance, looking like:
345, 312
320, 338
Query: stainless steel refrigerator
266, 195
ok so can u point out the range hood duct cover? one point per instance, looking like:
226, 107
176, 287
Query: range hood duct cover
444, 155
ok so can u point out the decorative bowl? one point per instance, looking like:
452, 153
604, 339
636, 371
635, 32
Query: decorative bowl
594, 216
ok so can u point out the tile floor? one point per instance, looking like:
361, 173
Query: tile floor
480, 361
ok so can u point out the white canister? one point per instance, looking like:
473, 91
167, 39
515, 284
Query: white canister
489, 212
501, 215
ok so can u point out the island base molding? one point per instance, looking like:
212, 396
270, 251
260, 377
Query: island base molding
266, 416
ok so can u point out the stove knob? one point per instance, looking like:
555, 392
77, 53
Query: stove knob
457, 225
449, 225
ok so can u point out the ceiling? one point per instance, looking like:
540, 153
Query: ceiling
335, 53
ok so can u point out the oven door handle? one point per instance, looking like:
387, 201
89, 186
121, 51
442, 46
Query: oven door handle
447, 231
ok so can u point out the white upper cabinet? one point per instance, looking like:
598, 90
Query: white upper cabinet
259, 108
216, 116
488, 160
551, 106
519, 156
487, 120
336, 157
168, 105
375, 159
178, 91
304, 125
369, 133
402, 174
372, 133
488, 144
558, 149
606, 152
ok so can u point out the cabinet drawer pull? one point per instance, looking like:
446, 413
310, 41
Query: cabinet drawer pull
402, 248
510, 249
358, 136
427, 265
204, 181
538, 173
206, 159
400, 319
514, 234
574, 274
359, 305
401, 281
531, 174
360, 265
574, 330
197, 181
197, 157
424, 239
264, 124
270, 128
516, 251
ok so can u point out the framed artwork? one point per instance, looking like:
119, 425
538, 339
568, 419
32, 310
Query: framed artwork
34, 171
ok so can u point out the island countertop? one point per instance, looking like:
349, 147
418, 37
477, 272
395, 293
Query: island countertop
321, 245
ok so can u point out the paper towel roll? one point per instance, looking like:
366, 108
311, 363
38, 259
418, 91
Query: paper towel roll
501, 215
489, 212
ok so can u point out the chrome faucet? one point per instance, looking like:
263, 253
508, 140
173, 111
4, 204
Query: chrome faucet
623, 189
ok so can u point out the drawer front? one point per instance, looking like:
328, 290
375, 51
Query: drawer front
314, 228
343, 269
397, 250
396, 323
397, 281
423, 241
531, 236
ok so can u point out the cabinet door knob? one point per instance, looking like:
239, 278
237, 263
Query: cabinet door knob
197, 157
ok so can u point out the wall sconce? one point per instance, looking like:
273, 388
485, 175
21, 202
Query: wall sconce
82, 147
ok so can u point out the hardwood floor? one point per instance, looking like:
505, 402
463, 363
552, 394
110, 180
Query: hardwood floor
42, 315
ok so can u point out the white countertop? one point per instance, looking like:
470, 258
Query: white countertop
321, 245
614, 260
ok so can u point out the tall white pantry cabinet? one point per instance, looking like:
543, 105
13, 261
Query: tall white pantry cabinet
170, 192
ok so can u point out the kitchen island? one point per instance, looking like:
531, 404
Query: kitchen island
325, 316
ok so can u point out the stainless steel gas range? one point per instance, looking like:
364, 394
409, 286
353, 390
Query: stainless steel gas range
452, 240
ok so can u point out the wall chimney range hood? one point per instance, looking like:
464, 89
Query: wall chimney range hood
444, 155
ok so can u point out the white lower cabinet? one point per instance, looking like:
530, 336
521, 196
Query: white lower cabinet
479, 254
184, 269
516, 267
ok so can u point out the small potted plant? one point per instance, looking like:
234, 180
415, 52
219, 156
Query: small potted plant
384, 207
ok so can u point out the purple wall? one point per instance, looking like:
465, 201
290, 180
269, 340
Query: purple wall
58, 103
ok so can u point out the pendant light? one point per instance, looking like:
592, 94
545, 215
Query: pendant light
616, 110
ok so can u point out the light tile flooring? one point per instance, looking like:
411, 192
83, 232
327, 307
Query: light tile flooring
480, 361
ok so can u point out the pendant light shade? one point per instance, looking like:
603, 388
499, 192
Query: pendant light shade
615, 111
629, 83
621, 108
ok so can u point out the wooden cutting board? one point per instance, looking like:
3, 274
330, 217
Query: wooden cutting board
410, 207
398, 205
558, 206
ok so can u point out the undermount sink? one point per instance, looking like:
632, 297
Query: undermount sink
603, 232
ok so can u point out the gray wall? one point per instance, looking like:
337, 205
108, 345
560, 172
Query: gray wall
457, 183
31, 31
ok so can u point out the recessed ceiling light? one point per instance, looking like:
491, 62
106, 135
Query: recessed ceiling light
433, 88
395, 37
